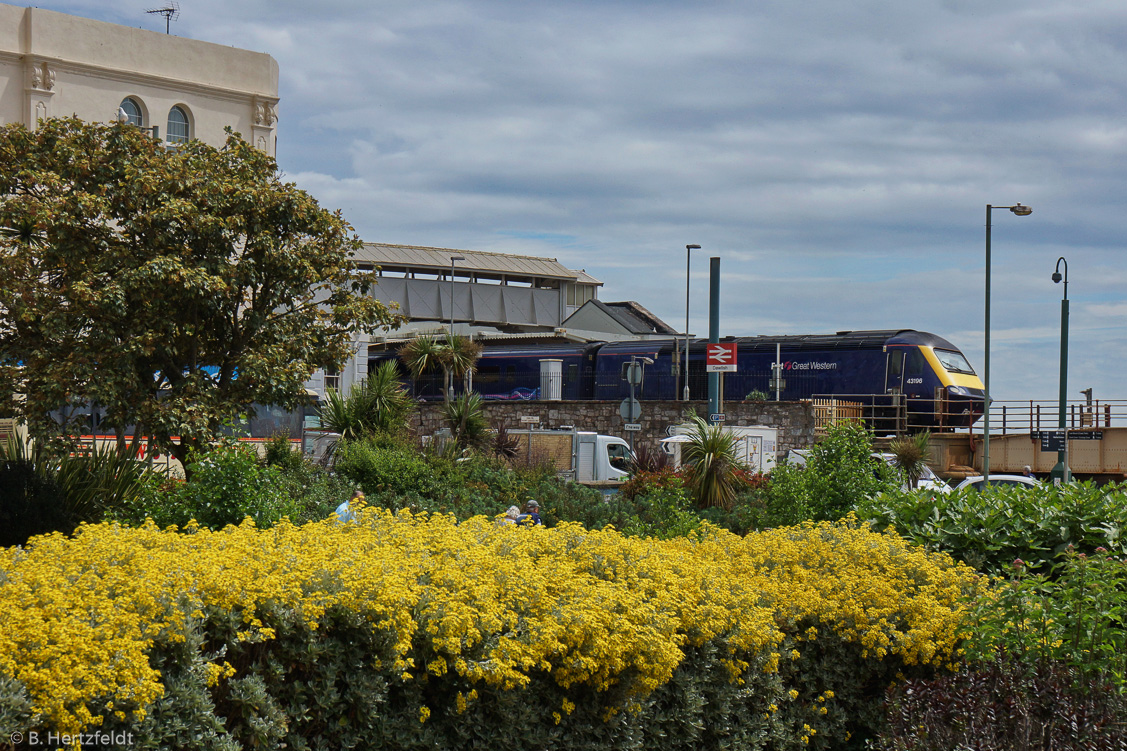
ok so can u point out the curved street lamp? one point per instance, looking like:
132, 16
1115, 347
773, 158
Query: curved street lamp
1060, 472
1019, 210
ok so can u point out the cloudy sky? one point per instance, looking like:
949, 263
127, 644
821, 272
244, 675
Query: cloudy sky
837, 157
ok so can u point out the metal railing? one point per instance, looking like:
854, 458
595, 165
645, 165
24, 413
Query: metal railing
893, 414
1033, 415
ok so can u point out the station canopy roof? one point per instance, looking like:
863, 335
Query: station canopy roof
437, 260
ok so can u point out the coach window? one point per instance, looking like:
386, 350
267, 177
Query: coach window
178, 127
132, 111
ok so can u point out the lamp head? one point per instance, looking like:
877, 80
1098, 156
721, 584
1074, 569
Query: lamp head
1021, 210
1057, 277
692, 247
457, 258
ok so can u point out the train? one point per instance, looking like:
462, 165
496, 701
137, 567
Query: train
925, 374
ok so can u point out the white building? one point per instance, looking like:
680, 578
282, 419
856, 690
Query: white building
57, 65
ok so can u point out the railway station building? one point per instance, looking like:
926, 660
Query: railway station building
491, 297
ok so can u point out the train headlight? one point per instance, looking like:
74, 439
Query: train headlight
958, 391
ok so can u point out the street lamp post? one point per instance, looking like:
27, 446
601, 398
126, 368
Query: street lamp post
1060, 472
688, 251
452, 259
1019, 210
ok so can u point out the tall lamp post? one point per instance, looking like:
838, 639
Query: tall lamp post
1019, 210
688, 253
452, 259
1060, 472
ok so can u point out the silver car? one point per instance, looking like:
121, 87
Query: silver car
978, 482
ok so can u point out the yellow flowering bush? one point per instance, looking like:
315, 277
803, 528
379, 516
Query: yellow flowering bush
404, 625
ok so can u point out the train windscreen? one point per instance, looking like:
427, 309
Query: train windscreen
953, 362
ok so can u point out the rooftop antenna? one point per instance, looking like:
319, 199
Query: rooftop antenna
170, 13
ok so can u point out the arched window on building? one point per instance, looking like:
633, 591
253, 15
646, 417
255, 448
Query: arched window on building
179, 130
132, 111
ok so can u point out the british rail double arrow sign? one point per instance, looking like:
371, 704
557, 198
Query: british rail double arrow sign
721, 358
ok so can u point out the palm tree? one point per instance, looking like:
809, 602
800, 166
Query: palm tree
455, 355
460, 355
910, 454
711, 458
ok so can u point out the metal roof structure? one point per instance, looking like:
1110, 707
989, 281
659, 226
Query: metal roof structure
402, 258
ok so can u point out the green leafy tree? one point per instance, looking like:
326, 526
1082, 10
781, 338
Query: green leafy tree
174, 288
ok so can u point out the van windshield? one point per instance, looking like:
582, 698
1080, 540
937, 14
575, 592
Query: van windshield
953, 362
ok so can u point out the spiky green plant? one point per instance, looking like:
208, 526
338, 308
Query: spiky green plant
910, 454
378, 404
711, 458
467, 422
95, 481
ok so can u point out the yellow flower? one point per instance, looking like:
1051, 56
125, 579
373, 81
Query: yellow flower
593, 609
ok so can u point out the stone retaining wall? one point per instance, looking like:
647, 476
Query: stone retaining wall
794, 420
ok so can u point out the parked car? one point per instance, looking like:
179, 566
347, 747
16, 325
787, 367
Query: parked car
977, 482
928, 479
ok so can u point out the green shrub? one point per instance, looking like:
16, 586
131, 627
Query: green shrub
227, 485
839, 474
990, 530
280, 452
1076, 618
384, 464
1047, 667
664, 512
313, 491
752, 511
